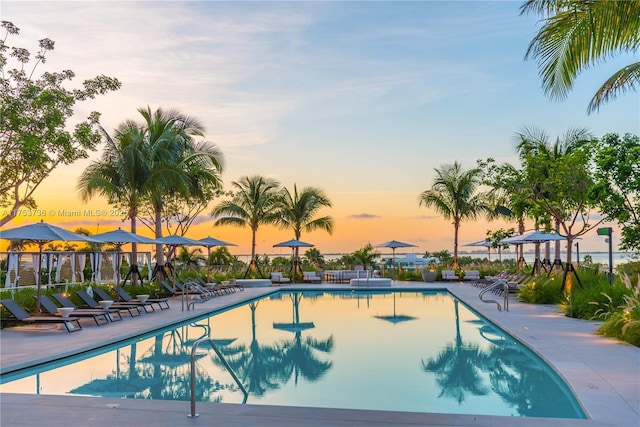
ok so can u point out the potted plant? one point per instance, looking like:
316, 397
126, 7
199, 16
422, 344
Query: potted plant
430, 274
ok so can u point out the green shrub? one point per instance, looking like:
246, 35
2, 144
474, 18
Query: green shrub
542, 291
624, 322
597, 298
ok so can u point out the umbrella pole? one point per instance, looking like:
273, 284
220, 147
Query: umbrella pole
393, 274
293, 256
118, 272
38, 309
208, 262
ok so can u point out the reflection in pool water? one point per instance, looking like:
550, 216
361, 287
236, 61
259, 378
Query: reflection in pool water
399, 351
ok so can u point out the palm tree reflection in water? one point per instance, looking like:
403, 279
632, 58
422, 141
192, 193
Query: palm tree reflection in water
262, 368
457, 367
298, 354
521, 381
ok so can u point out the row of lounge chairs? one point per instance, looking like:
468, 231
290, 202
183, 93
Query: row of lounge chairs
198, 289
514, 282
122, 303
90, 309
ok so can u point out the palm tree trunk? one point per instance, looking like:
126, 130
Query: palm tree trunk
254, 262
158, 231
134, 247
456, 227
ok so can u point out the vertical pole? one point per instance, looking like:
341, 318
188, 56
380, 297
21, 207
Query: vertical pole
610, 257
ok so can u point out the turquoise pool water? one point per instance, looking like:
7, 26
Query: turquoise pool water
399, 351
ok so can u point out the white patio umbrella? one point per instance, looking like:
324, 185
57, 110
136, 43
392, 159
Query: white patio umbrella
538, 237
210, 242
173, 241
482, 243
394, 244
42, 233
119, 238
293, 244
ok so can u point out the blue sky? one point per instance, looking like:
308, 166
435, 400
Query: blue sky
361, 99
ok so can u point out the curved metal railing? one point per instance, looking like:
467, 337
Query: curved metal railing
193, 413
495, 285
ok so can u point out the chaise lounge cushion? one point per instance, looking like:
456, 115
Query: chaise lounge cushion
449, 275
311, 277
276, 277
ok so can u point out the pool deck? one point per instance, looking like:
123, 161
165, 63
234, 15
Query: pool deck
603, 373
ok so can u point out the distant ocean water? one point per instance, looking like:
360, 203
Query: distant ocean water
596, 257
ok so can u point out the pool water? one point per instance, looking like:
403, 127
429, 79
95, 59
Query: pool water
400, 351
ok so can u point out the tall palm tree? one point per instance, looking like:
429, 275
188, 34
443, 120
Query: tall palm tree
178, 164
253, 204
455, 195
297, 211
121, 173
577, 34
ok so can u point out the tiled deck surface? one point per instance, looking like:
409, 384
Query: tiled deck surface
604, 374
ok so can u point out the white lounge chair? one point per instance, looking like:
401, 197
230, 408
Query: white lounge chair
311, 277
471, 275
276, 277
449, 275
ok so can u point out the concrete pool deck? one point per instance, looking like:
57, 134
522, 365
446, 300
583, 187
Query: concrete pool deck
603, 373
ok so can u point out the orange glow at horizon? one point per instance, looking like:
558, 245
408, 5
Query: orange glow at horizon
359, 218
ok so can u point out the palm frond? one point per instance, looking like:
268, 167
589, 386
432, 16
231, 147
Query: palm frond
624, 80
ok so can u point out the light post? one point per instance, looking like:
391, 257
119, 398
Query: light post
608, 231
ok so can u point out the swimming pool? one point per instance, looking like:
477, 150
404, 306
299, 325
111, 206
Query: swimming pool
399, 351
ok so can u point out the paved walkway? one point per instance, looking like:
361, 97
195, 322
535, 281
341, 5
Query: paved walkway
604, 374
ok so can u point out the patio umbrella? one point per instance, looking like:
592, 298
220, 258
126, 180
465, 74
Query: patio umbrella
41, 233
395, 318
210, 242
538, 237
120, 237
394, 244
482, 243
173, 241
293, 244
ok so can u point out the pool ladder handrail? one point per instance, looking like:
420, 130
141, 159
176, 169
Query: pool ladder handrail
193, 413
498, 283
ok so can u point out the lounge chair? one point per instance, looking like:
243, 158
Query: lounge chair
163, 303
471, 275
99, 316
91, 303
449, 275
104, 296
180, 290
276, 277
22, 317
66, 302
310, 277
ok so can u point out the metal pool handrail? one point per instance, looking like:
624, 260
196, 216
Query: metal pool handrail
193, 413
495, 285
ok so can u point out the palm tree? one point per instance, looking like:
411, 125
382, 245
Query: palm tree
365, 256
120, 174
178, 165
253, 204
577, 34
454, 194
298, 212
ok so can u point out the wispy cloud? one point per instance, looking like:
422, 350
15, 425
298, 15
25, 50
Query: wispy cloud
363, 216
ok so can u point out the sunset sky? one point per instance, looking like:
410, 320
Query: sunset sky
360, 99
